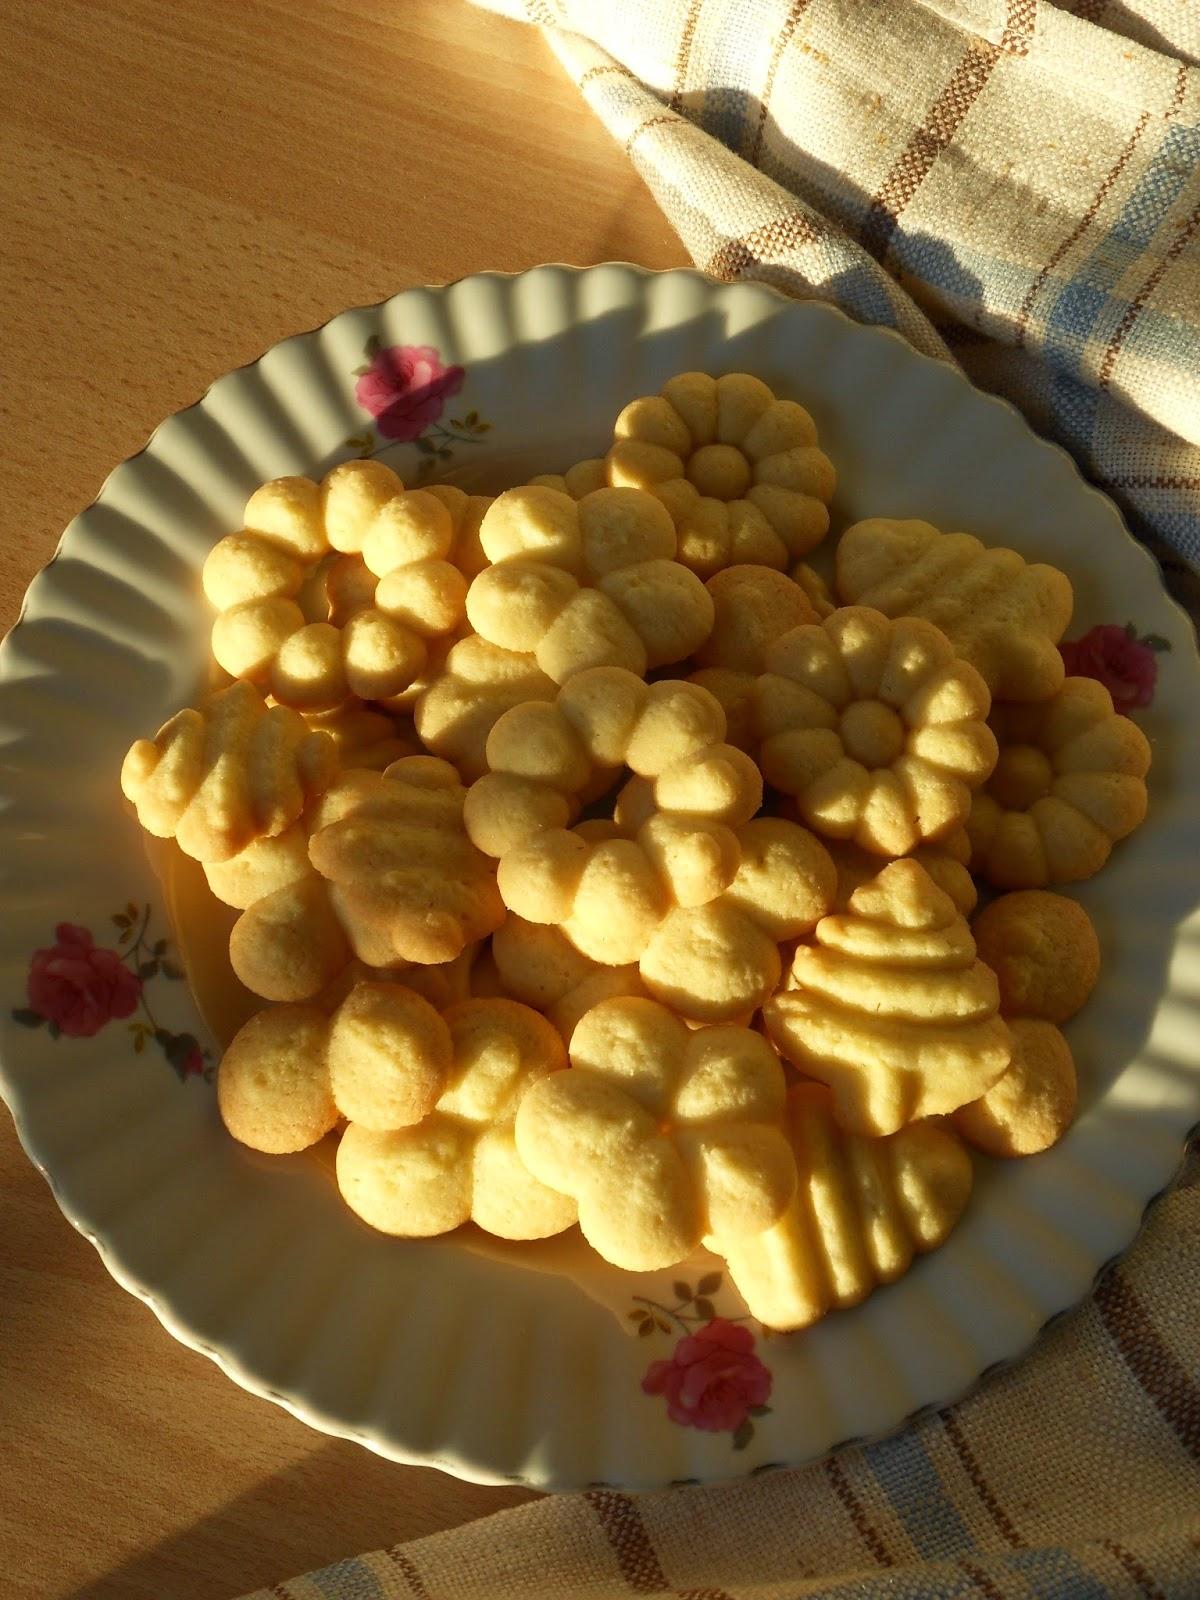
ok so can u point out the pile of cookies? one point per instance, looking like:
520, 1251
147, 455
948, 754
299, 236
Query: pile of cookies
597, 862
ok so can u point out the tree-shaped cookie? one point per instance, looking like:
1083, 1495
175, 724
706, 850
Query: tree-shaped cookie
890, 1007
217, 778
862, 1210
875, 727
1002, 614
1070, 782
739, 471
459, 1163
660, 1133
586, 583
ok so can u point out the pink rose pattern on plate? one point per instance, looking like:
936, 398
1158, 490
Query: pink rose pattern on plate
405, 388
76, 987
1125, 664
712, 1380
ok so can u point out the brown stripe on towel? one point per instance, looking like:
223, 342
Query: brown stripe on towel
914, 162
1133, 1569
781, 233
782, 39
1138, 304
1019, 28
1080, 227
865, 1529
683, 54
1171, 1387
622, 1522
970, 1465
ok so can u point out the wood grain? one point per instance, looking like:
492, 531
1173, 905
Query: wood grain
183, 185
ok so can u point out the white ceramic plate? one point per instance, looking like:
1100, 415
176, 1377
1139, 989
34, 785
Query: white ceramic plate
424, 1351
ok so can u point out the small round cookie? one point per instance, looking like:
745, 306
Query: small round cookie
273, 1088
1033, 1104
390, 1055
1044, 951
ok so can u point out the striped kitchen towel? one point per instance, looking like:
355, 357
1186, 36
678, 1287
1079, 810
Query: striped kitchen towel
1014, 185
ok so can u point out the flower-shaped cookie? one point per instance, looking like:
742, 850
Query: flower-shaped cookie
460, 1163
1003, 615
609, 887
739, 471
217, 778
662, 1135
476, 685
406, 881
890, 1008
875, 727
863, 1208
586, 583
395, 587
719, 962
1069, 783
540, 966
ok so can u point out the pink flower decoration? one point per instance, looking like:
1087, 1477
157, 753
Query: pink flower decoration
78, 987
714, 1378
405, 389
1124, 664
192, 1063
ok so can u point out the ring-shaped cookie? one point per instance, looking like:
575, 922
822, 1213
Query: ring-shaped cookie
740, 471
875, 727
1069, 783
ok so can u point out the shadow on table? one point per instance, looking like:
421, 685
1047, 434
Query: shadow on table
301, 1518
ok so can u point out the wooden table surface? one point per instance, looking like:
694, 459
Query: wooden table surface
183, 185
